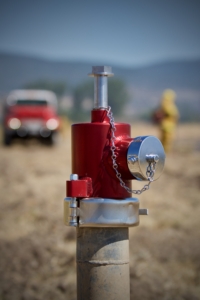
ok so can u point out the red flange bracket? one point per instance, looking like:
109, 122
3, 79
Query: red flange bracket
79, 188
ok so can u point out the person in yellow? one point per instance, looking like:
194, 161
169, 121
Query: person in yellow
170, 116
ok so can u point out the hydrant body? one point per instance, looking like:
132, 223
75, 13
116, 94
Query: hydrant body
91, 156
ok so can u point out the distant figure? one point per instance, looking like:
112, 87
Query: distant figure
166, 116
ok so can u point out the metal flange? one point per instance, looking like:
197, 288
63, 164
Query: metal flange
102, 212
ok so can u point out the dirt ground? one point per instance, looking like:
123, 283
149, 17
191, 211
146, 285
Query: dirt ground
37, 252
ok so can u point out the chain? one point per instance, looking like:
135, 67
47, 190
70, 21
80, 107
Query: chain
150, 168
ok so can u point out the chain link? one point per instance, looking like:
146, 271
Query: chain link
150, 168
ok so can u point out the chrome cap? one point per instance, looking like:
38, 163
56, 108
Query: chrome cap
142, 151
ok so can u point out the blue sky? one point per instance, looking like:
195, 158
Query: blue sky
127, 33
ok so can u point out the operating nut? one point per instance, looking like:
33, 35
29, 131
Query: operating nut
101, 71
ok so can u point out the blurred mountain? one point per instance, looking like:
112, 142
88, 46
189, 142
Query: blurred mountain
145, 84
17, 71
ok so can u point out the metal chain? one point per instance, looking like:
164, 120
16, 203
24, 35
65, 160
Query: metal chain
150, 168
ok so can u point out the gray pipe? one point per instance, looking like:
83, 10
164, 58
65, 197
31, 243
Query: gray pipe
101, 85
103, 264
100, 92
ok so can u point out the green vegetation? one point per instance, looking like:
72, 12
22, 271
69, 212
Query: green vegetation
82, 92
83, 95
118, 97
188, 114
59, 87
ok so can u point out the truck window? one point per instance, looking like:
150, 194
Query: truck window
31, 102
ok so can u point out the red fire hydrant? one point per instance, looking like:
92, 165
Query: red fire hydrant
104, 161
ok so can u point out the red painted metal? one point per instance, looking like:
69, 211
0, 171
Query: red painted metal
79, 188
23, 112
91, 155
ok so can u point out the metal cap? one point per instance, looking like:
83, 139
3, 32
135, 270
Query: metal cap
142, 151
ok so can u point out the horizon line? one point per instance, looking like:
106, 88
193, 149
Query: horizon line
99, 61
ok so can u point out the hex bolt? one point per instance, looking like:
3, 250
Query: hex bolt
100, 74
73, 205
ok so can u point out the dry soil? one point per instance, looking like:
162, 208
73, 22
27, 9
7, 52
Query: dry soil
37, 252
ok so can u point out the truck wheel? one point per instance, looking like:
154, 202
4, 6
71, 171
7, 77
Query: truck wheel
7, 139
54, 138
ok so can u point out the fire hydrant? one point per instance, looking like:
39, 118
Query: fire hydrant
104, 161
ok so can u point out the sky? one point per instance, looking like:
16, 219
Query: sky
126, 32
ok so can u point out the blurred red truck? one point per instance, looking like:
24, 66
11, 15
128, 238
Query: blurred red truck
30, 113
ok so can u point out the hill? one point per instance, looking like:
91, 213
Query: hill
145, 84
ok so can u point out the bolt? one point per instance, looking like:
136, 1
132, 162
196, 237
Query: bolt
74, 177
143, 211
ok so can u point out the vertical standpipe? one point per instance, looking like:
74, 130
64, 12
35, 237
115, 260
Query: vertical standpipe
101, 85
102, 252
103, 263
